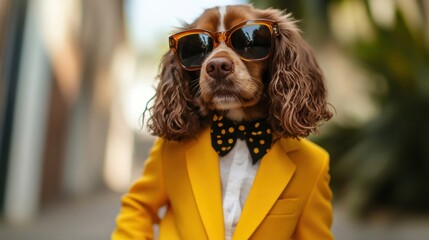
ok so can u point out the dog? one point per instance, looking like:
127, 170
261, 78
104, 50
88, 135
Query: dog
239, 91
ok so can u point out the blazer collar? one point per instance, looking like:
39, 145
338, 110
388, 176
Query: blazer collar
274, 173
203, 169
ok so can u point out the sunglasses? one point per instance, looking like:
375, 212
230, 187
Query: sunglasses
252, 40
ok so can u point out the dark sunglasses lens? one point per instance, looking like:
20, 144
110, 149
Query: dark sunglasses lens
193, 49
252, 41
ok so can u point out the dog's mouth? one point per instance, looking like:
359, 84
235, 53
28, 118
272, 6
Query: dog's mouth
227, 99
224, 101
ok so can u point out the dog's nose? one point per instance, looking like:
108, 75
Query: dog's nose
219, 68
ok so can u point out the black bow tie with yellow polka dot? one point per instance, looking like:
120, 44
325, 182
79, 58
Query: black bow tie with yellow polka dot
257, 134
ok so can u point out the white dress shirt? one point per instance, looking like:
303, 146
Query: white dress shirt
237, 174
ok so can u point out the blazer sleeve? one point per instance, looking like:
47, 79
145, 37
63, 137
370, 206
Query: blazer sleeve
140, 205
316, 219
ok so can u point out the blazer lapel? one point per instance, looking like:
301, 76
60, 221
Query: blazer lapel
203, 169
274, 173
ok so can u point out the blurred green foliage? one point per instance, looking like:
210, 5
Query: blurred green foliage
384, 163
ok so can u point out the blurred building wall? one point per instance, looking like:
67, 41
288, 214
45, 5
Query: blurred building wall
55, 129
28, 133
12, 18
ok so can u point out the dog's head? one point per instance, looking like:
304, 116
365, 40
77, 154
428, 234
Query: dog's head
244, 62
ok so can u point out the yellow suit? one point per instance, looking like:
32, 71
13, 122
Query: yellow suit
289, 199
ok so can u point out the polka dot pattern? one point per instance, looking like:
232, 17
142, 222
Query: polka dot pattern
257, 134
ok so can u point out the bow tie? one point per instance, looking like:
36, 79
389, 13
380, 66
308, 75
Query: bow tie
257, 134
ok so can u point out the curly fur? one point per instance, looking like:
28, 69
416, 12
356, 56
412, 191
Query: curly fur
175, 114
295, 90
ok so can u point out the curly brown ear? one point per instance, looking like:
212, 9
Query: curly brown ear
174, 115
296, 90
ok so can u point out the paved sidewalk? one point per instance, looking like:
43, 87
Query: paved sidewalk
381, 227
93, 218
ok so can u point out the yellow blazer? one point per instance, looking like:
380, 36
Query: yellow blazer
290, 197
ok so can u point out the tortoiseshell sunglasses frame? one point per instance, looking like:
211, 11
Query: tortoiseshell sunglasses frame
225, 37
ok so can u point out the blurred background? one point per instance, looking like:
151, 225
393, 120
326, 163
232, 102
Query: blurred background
76, 75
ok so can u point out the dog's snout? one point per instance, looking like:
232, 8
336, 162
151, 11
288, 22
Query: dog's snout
219, 67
